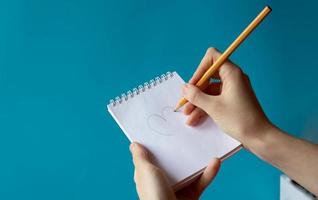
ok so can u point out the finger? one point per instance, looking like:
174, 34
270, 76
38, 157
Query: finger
195, 117
230, 71
210, 56
212, 88
140, 154
197, 97
188, 108
208, 175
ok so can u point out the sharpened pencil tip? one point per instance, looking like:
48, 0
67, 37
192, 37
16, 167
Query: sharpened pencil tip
176, 108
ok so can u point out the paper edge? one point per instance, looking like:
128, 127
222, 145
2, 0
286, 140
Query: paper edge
181, 184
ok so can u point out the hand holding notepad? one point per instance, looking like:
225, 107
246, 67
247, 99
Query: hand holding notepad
146, 115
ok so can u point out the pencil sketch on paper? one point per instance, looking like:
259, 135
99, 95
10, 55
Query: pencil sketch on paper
163, 123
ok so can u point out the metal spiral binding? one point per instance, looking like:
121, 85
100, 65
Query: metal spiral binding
140, 89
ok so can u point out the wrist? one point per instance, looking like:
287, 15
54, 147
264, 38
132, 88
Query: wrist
259, 136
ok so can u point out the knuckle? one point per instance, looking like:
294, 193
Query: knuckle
211, 51
194, 96
237, 72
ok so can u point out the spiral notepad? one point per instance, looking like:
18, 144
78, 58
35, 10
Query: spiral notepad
145, 114
140, 89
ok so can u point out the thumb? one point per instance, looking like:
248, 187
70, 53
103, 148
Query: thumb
208, 175
197, 97
140, 154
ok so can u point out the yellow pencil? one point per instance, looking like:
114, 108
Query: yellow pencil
228, 52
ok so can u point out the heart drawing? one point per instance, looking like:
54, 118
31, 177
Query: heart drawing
164, 123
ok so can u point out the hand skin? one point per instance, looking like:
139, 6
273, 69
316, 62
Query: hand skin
234, 107
152, 183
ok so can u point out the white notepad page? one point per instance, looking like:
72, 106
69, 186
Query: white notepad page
146, 116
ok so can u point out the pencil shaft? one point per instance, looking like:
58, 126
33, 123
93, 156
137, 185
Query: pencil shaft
235, 44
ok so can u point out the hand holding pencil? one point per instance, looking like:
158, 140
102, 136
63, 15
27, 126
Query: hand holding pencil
231, 103
217, 64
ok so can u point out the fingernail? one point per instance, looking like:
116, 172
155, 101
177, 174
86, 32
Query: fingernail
217, 160
132, 146
184, 89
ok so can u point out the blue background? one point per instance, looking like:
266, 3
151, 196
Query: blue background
59, 63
